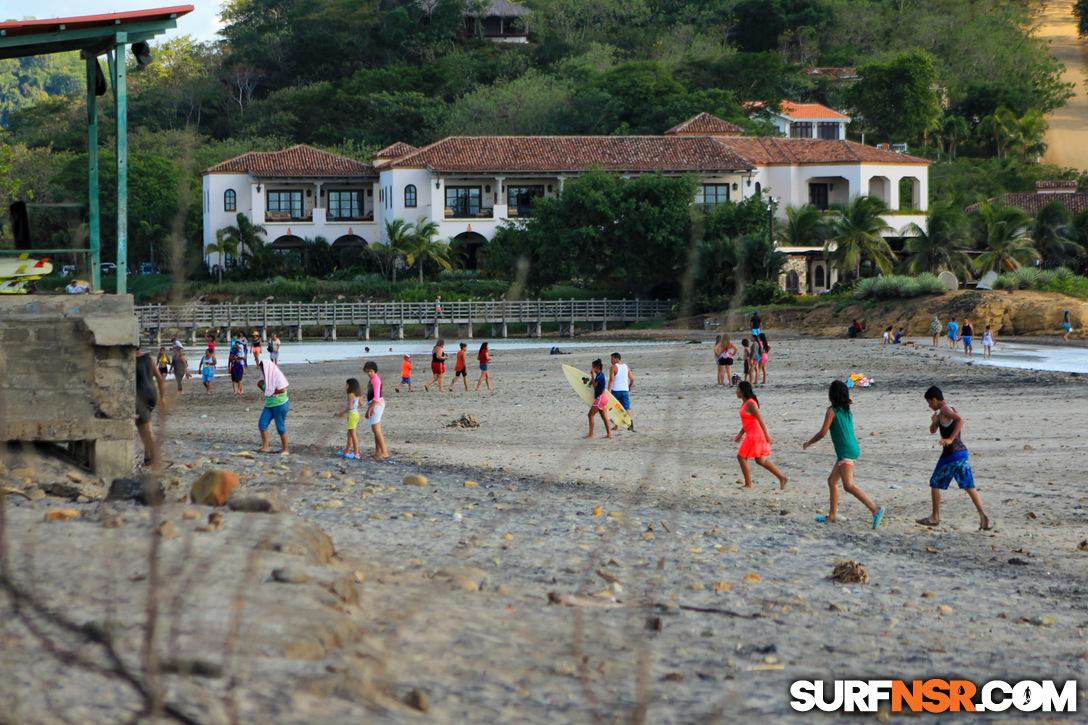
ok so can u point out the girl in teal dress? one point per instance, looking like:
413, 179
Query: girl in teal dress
839, 421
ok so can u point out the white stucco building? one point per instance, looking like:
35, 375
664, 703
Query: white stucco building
469, 186
803, 120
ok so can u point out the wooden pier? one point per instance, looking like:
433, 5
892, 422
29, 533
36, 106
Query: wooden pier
191, 321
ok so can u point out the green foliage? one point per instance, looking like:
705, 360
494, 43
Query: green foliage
1032, 278
1004, 233
605, 228
897, 287
857, 231
1080, 10
765, 292
897, 99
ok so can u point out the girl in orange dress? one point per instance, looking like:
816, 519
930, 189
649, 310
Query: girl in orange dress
757, 441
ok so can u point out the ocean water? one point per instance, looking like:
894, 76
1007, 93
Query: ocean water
301, 353
1034, 357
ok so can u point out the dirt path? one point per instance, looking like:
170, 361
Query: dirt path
1068, 137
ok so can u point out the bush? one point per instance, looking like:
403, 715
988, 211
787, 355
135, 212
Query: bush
893, 286
765, 292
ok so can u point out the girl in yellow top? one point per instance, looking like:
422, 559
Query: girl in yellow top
351, 409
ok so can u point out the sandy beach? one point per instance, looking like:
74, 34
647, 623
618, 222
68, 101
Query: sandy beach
694, 600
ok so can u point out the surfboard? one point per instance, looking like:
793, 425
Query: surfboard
15, 273
583, 385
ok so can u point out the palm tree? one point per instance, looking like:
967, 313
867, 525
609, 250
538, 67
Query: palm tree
857, 230
1053, 232
1078, 234
1005, 233
1031, 129
246, 236
1003, 127
224, 246
423, 245
805, 227
398, 235
954, 131
942, 244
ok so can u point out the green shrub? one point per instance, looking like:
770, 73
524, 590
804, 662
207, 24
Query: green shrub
894, 286
765, 292
928, 284
864, 287
1027, 278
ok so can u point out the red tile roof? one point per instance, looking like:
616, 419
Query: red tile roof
296, 162
395, 150
569, 154
706, 125
1032, 203
1056, 184
774, 151
797, 110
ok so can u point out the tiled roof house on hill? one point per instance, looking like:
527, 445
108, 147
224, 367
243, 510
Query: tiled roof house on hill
1063, 192
470, 185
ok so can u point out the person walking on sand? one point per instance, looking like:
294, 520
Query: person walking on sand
210, 337
438, 365
207, 369
757, 441
273, 384
179, 365
756, 323
257, 345
954, 461
953, 332
839, 421
484, 358
405, 374
987, 342
274, 348
460, 367
620, 381
237, 369
746, 353
1066, 326
755, 351
375, 408
935, 330
600, 398
354, 393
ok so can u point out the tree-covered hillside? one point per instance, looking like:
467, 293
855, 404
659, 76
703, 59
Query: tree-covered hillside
951, 78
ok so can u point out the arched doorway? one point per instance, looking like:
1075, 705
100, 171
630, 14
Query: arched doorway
350, 250
819, 278
793, 282
287, 242
467, 247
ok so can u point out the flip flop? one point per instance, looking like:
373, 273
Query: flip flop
822, 520
986, 524
341, 454
927, 522
877, 517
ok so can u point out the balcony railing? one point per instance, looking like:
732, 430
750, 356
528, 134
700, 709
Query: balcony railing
463, 214
285, 217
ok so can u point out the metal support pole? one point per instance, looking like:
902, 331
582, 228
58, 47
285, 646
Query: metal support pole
120, 94
92, 175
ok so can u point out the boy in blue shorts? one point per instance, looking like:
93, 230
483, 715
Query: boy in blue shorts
954, 462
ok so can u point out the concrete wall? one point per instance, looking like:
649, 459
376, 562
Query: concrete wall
68, 376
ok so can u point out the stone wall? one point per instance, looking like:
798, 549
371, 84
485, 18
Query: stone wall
68, 376
800, 266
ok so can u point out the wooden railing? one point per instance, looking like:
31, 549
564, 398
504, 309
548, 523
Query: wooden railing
366, 314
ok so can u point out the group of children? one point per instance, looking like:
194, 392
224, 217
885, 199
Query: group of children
754, 354
438, 367
375, 408
953, 463
375, 403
